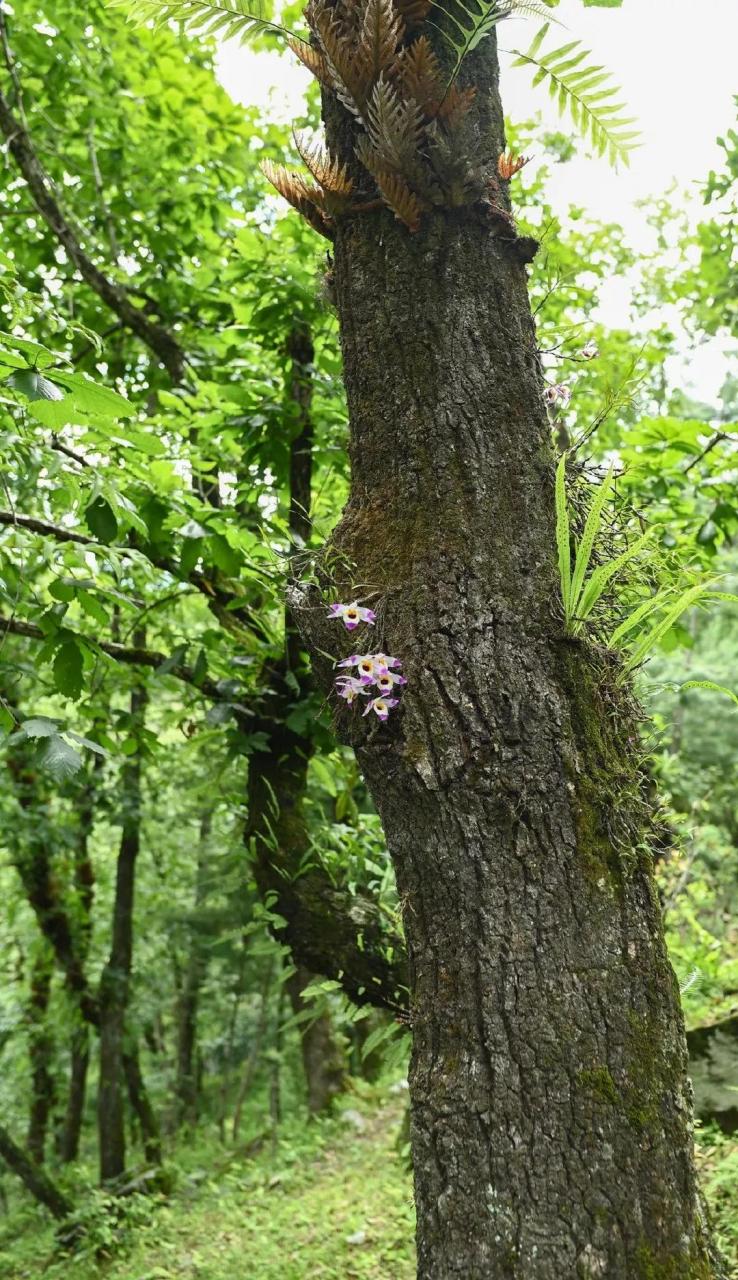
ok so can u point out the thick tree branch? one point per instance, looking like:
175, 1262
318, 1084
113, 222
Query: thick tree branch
158, 339
121, 653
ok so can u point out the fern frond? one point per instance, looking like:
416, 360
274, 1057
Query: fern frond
664, 624
419, 73
308, 200
456, 105
394, 127
413, 12
400, 199
586, 91
589, 537
562, 536
350, 80
228, 19
328, 173
509, 164
602, 576
381, 32
469, 22
312, 59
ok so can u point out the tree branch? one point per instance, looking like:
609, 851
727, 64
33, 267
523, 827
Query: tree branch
121, 653
158, 339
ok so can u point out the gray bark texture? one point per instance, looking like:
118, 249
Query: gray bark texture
551, 1111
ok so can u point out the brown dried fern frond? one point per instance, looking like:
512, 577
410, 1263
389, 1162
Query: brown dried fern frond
329, 173
381, 32
308, 200
420, 75
400, 199
394, 127
349, 75
509, 164
456, 105
312, 59
413, 12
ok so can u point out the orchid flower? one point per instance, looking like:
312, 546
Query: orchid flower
589, 351
381, 707
557, 394
349, 688
352, 614
385, 683
366, 665
385, 660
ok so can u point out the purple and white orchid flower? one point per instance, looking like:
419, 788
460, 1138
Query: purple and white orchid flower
352, 614
589, 351
349, 688
386, 682
381, 707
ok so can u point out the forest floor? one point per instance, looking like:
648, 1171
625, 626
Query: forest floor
325, 1201
330, 1202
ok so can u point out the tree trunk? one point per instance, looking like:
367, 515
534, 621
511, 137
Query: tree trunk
141, 1104
186, 1086
322, 1059
257, 1047
34, 1179
115, 978
551, 1128
40, 1050
79, 1063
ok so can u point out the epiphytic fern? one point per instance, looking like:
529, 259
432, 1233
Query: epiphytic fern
350, 76
394, 127
469, 22
313, 59
413, 12
419, 74
400, 199
327, 172
228, 19
586, 91
309, 200
379, 37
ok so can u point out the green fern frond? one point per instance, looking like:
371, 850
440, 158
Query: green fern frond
586, 91
602, 576
562, 535
710, 684
469, 22
241, 20
665, 623
586, 546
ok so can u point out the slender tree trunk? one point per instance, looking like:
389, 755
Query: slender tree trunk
84, 884
322, 1058
33, 1177
141, 1104
257, 1048
79, 1063
41, 1047
186, 1086
551, 1126
115, 979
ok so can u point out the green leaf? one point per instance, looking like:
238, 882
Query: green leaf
34, 386
101, 520
39, 727
92, 397
60, 758
602, 4
68, 669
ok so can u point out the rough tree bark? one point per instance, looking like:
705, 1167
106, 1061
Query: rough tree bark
115, 978
40, 1052
189, 996
33, 1177
551, 1127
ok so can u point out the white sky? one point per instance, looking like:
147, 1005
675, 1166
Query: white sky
677, 63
